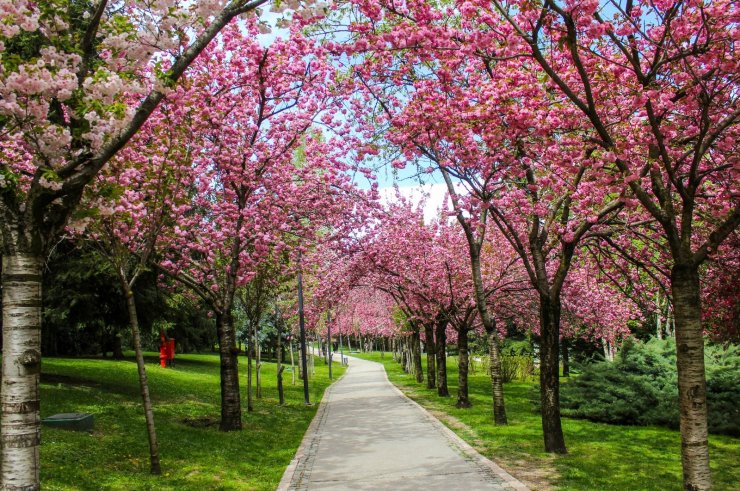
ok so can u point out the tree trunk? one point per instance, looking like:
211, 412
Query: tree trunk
292, 362
117, 347
463, 400
21, 422
257, 362
692, 398
250, 347
609, 350
300, 364
549, 375
497, 379
279, 359
429, 343
489, 324
658, 316
143, 382
441, 352
409, 358
416, 353
566, 358
231, 417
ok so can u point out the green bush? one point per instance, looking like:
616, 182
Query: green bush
513, 367
516, 367
640, 388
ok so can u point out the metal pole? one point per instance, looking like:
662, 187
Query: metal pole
302, 326
341, 349
280, 367
328, 340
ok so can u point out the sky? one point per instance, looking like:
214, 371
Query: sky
271, 18
435, 194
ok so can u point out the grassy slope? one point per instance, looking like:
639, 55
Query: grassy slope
115, 455
602, 456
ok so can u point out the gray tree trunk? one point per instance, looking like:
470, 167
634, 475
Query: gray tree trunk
231, 417
279, 359
250, 347
609, 350
441, 351
692, 393
497, 378
143, 382
257, 362
416, 354
431, 353
292, 361
658, 316
463, 399
550, 375
489, 322
20, 427
405, 355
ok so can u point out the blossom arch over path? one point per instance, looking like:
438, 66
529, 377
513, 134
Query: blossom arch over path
584, 149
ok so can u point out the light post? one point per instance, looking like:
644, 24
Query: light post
328, 340
280, 367
341, 349
302, 327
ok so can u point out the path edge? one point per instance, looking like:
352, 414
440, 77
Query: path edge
464, 446
308, 437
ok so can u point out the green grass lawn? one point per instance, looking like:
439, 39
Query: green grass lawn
601, 456
194, 454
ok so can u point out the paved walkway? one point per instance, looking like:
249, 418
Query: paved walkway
368, 435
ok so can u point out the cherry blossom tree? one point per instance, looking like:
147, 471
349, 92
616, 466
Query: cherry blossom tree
657, 87
720, 293
262, 175
594, 310
424, 269
510, 156
79, 79
127, 208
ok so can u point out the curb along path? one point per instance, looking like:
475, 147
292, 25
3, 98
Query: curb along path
367, 435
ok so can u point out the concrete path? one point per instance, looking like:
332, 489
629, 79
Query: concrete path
368, 435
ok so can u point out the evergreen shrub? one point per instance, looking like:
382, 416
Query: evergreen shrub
640, 387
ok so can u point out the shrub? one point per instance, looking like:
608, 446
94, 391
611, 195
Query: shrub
513, 367
640, 387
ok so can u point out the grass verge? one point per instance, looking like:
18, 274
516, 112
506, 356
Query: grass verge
194, 454
601, 456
